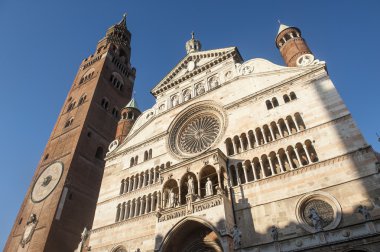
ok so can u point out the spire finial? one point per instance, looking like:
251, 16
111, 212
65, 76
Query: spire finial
192, 35
123, 21
193, 45
278, 21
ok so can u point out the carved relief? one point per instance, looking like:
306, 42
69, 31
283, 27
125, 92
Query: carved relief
213, 82
29, 230
200, 89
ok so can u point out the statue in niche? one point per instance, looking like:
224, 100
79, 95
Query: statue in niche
236, 236
363, 210
175, 101
213, 81
190, 185
274, 233
200, 89
316, 219
186, 95
209, 190
172, 197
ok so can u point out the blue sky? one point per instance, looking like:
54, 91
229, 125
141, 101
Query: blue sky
43, 43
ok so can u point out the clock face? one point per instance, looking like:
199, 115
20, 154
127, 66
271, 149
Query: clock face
46, 182
305, 59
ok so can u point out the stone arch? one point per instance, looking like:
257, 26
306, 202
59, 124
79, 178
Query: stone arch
229, 147
170, 186
118, 248
184, 186
185, 236
207, 172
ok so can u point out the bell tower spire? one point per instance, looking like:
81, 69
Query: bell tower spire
62, 197
292, 46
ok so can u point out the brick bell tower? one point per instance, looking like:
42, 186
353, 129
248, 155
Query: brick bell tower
62, 197
293, 47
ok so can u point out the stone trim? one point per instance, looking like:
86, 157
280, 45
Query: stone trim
123, 222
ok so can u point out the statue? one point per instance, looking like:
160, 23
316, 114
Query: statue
171, 198
236, 235
316, 219
32, 219
186, 95
84, 234
209, 190
274, 233
175, 101
190, 185
214, 82
365, 212
200, 89
29, 230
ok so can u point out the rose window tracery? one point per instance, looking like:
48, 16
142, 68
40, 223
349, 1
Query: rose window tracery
199, 134
324, 210
196, 129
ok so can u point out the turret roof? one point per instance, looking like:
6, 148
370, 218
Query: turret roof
132, 104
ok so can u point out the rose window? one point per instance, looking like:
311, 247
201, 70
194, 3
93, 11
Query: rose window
199, 134
196, 130
324, 210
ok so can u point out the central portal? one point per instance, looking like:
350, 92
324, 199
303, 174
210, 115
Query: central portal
192, 236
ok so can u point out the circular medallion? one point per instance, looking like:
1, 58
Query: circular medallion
46, 182
113, 145
196, 130
305, 59
190, 66
318, 211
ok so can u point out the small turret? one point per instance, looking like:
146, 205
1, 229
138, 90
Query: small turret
293, 47
129, 114
193, 45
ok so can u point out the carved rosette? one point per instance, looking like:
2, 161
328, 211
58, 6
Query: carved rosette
196, 130
326, 206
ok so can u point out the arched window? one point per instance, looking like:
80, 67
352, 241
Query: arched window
269, 104
82, 99
237, 144
132, 162
150, 153
299, 121
99, 153
286, 98
168, 164
124, 115
130, 115
69, 122
122, 184
229, 147
136, 160
115, 112
293, 96
117, 81
145, 155
105, 103
87, 76
71, 106
274, 102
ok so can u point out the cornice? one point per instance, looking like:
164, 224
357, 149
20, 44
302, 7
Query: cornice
169, 80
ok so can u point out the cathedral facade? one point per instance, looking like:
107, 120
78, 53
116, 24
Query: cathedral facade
235, 155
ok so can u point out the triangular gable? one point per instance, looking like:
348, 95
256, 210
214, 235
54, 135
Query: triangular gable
204, 60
